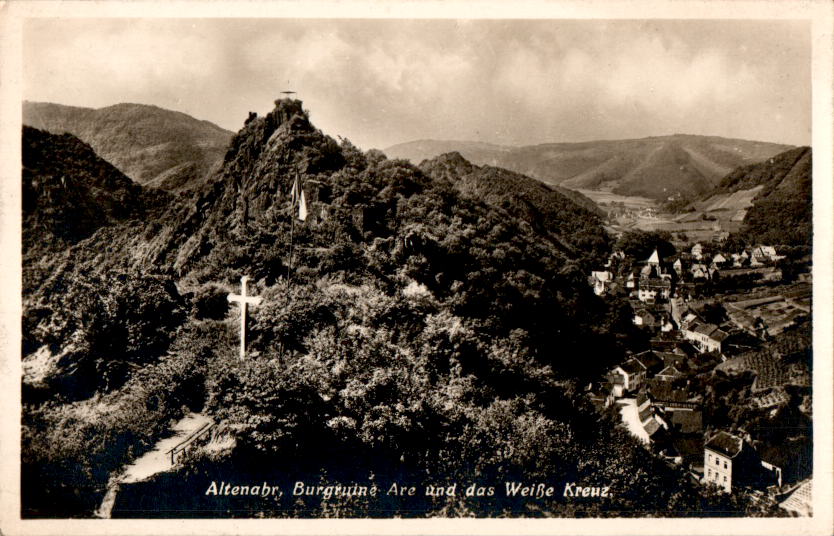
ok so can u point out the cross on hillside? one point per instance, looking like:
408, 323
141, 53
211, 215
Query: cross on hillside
243, 300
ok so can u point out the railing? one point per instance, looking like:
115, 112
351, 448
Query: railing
183, 445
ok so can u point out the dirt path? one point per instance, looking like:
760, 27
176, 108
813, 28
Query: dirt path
156, 460
631, 418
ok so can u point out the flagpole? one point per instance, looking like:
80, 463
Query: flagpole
292, 231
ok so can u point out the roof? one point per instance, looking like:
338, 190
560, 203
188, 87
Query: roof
646, 414
725, 443
719, 335
671, 359
602, 276
686, 422
633, 366
655, 258
670, 370
615, 378
662, 391
652, 427
709, 330
648, 360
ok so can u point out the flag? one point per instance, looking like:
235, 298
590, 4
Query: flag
294, 192
302, 207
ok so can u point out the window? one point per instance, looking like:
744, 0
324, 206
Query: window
709, 457
709, 473
725, 465
716, 460
725, 479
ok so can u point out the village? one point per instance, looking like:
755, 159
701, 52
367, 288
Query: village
722, 358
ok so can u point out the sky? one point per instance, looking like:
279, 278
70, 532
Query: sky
382, 82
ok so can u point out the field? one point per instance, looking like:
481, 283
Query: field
630, 201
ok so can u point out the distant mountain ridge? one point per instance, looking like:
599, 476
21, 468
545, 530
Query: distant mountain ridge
656, 167
153, 146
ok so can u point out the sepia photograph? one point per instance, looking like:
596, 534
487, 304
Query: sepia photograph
412, 267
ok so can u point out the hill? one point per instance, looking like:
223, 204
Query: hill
69, 192
153, 146
781, 210
409, 333
549, 211
656, 167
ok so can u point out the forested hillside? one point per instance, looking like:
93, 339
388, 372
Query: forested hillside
69, 192
782, 212
153, 146
436, 328
548, 211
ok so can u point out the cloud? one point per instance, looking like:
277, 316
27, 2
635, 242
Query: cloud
380, 82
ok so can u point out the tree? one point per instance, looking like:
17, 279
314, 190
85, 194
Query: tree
640, 244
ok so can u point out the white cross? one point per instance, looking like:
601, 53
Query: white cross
244, 300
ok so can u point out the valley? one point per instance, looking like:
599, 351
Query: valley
415, 323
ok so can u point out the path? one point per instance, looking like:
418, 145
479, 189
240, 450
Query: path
156, 460
631, 418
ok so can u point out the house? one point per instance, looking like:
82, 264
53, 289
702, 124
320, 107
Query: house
730, 463
697, 251
650, 271
686, 421
632, 374
675, 359
650, 361
768, 251
651, 420
669, 396
706, 337
720, 453
719, 260
677, 266
653, 290
699, 271
601, 281
631, 280
644, 318
600, 394
669, 373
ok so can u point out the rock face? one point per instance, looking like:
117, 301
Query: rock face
155, 147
